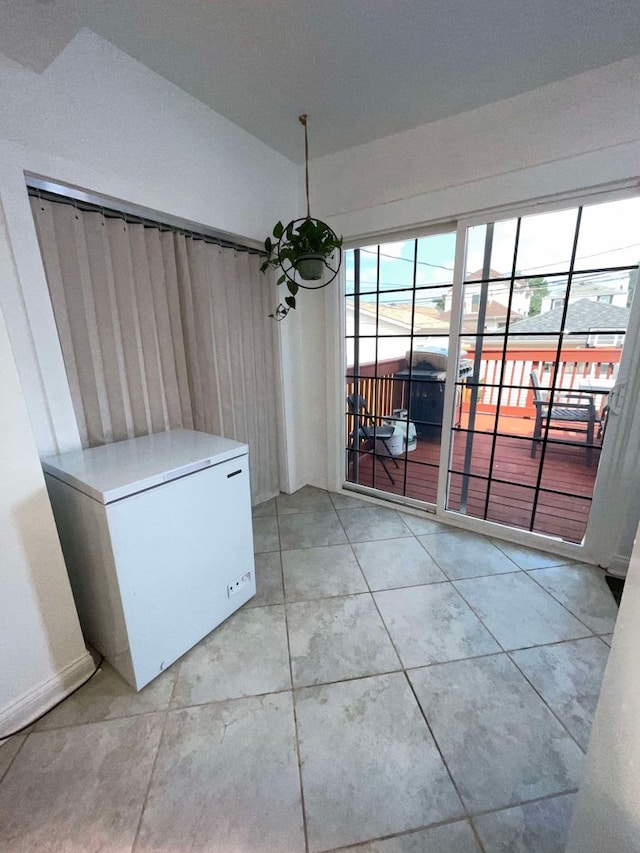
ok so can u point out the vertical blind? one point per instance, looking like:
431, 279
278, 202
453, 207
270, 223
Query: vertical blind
160, 330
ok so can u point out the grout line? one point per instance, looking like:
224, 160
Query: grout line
146, 796
477, 838
500, 542
278, 529
521, 648
175, 680
293, 704
377, 590
473, 577
501, 650
300, 514
564, 726
437, 746
405, 670
297, 737
420, 709
446, 578
530, 802
281, 572
347, 541
364, 845
375, 603
449, 822
553, 643
410, 669
582, 622
491, 634
18, 751
67, 726
168, 710
338, 595
301, 687
509, 656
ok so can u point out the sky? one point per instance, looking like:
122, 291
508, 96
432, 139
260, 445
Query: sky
609, 236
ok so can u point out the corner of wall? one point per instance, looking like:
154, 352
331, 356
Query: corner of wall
44, 653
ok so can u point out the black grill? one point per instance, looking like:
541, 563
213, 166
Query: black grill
423, 395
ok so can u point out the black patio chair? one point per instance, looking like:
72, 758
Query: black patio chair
572, 411
367, 429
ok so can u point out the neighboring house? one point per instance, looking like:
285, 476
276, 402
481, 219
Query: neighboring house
391, 320
497, 291
609, 288
495, 318
591, 323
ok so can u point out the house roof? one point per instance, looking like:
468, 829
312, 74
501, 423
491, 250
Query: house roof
612, 282
518, 284
478, 275
494, 309
426, 319
582, 316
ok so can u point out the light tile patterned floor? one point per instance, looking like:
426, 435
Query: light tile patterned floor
396, 686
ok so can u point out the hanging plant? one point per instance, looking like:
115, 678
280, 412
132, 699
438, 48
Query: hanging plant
304, 251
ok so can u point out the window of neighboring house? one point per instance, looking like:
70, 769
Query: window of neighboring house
475, 303
608, 298
557, 303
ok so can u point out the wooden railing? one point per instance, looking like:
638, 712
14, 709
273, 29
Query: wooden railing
376, 385
383, 394
576, 364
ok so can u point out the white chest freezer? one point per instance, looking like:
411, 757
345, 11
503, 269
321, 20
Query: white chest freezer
157, 539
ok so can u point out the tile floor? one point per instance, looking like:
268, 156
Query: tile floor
396, 686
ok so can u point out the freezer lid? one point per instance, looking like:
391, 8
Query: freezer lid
113, 471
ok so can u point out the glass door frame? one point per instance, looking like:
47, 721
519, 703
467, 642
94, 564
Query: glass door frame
623, 432
601, 537
443, 227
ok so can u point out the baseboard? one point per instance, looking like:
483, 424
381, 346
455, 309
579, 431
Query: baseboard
293, 486
619, 566
318, 482
38, 701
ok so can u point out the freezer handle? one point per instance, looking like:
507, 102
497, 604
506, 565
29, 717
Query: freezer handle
186, 469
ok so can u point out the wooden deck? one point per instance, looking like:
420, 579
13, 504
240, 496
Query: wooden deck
512, 491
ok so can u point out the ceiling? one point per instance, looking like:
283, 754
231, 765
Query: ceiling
361, 69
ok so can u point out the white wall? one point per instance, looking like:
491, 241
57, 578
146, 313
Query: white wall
99, 120
607, 813
42, 654
577, 134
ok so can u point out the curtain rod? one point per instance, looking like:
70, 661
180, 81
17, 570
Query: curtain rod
36, 189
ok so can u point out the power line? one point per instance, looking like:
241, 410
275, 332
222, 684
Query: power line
396, 258
524, 269
582, 257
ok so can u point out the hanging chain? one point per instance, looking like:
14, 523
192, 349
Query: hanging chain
303, 121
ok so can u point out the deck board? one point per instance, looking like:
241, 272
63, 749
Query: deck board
564, 469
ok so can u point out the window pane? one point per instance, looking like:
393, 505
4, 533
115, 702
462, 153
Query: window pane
546, 242
476, 237
435, 260
503, 248
395, 270
609, 235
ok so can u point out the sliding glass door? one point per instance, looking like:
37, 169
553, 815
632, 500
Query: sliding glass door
545, 308
398, 318
525, 353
